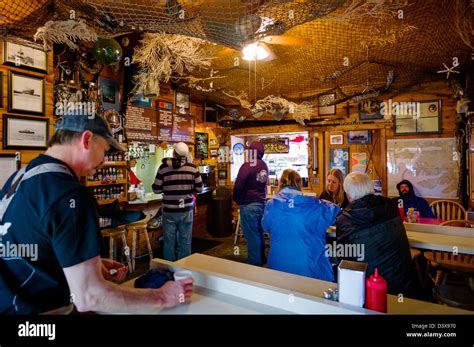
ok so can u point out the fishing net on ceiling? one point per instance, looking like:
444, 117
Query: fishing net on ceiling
346, 48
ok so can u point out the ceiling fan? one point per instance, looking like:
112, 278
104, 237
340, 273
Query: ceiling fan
257, 33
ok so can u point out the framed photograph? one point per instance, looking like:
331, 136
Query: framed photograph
336, 139
9, 164
370, 109
25, 57
201, 149
110, 93
26, 93
212, 142
324, 101
359, 137
25, 132
222, 174
213, 152
142, 101
181, 101
426, 121
339, 159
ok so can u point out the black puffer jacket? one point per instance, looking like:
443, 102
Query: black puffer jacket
374, 221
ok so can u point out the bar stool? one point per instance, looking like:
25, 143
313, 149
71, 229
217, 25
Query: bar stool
135, 229
114, 234
238, 228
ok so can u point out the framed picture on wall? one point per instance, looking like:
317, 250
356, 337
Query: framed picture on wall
201, 149
26, 93
110, 93
142, 101
213, 152
181, 101
337, 139
359, 137
222, 174
9, 164
25, 57
339, 159
324, 104
370, 109
426, 121
25, 132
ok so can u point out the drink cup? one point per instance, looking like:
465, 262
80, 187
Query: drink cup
181, 275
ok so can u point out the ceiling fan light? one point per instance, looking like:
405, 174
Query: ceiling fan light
255, 51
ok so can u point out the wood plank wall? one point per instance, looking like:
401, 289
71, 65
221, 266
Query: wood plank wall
381, 131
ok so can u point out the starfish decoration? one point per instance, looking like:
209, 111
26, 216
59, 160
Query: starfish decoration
448, 70
367, 88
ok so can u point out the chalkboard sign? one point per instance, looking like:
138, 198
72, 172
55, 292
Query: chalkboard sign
165, 121
140, 123
202, 146
183, 128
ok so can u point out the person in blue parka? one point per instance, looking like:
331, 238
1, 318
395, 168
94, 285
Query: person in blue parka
410, 199
297, 225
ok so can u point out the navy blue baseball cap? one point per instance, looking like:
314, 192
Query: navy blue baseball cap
82, 122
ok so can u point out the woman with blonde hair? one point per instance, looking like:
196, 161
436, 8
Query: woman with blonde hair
297, 225
334, 191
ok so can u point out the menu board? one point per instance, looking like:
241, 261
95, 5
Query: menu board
183, 128
140, 123
201, 148
165, 121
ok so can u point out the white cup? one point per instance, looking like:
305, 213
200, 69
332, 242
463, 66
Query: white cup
181, 275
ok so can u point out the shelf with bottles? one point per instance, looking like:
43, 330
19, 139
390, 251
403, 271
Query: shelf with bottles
108, 194
114, 159
107, 176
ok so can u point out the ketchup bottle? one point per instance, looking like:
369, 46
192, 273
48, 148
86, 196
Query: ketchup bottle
376, 293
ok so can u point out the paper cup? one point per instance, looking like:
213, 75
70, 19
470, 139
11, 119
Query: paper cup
181, 275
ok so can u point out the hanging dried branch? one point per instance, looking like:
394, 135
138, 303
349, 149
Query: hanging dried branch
242, 98
464, 26
160, 56
359, 9
194, 82
390, 36
67, 32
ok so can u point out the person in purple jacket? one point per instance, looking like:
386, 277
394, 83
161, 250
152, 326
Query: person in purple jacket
250, 195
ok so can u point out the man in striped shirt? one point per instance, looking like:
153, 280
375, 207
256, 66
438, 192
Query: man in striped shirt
178, 180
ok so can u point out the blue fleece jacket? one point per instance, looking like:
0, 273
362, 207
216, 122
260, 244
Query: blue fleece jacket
297, 225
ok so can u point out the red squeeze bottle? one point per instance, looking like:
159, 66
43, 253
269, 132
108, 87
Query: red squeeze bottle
376, 293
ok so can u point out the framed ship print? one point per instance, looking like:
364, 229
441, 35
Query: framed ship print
25, 57
26, 93
25, 132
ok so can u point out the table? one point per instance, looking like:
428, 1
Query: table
228, 287
424, 220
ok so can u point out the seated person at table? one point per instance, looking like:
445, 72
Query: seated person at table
407, 193
374, 222
297, 225
334, 190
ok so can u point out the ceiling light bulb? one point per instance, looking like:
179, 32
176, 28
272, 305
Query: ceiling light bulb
255, 51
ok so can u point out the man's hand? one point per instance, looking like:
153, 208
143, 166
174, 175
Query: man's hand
118, 273
177, 292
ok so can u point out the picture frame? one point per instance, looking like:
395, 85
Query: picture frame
141, 101
426, 121
9, 164
213, 152
212, 142
26, 94
181, 101
324, 109
201, 149
21, 132
25, 57
336, 139
359, 137
339, 159
222, 174
370, 109
110, 93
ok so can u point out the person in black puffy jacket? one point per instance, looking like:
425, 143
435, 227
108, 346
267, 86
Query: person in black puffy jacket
374, 222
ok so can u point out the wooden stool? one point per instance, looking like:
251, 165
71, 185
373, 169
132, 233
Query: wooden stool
117, 233
238, 228
135, 229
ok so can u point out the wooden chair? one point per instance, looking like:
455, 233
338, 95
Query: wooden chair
448, 210
463, 223
447, 262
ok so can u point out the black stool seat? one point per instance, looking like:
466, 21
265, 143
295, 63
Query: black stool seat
455, 296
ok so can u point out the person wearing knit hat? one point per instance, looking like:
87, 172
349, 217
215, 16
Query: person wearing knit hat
250, 195
178, 179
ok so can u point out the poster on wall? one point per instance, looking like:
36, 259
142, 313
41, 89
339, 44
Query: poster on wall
201, 146
339, 159
183, 128
165, 120
359, 162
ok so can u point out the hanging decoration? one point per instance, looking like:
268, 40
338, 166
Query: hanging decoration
65, 32
107, 51
161, 56
448, 70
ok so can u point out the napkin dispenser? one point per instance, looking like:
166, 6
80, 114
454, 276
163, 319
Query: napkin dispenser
351, 282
